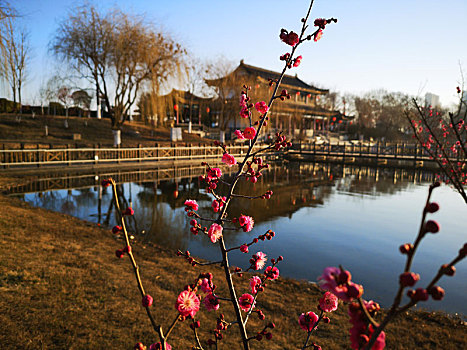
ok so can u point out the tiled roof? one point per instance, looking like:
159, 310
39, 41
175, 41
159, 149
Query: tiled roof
287, 79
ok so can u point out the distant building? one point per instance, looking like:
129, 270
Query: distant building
301, 115
432, 100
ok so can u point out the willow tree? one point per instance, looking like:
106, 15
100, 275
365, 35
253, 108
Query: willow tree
120, 54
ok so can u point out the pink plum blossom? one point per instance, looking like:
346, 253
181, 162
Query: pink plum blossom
239, 135
297, 61
228, 159
307, 321
338, 282
205, 286
211, 302
243, 100
320, 22
328, 302
255, 282
272, 273
191, 204
244, 112
261, 107
318, 35
246, 222
291, 38
158, 346
258, 260
249, 133
215, 232
246, 301
214, 173
187, 303
360, 329
216, 206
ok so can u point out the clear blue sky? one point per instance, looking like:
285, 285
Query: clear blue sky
412, 46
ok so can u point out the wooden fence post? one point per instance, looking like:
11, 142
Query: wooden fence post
38, 157
377, 152
67, 154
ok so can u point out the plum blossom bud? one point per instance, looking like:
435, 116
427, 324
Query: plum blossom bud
285, 57
420, 294
147, 300
435, 184
355, 290
432, 207
344, 277
436, 292
244, 248
106, 183
431, 226
408, 279
406, 248
448, 270
116, 229
119, 253
128, 212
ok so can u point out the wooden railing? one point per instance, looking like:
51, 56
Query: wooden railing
70, 156
376, 151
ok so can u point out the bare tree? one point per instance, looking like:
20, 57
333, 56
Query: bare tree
120, 54
196, 73
381, 113
7, 13
15, 51
443, 136
227, 86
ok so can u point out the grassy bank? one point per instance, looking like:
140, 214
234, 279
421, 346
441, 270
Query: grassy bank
92, 131
61, 287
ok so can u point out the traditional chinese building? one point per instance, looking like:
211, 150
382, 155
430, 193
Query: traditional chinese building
300, 116
176, 108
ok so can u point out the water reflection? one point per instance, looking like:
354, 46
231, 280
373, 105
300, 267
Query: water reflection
323, 215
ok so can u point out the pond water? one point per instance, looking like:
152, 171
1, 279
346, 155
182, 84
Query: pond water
323, 216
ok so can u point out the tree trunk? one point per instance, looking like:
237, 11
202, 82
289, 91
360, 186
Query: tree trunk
98, 101
14, 99
19, 100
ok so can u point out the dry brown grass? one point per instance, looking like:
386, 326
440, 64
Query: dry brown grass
61, 287
97, 131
